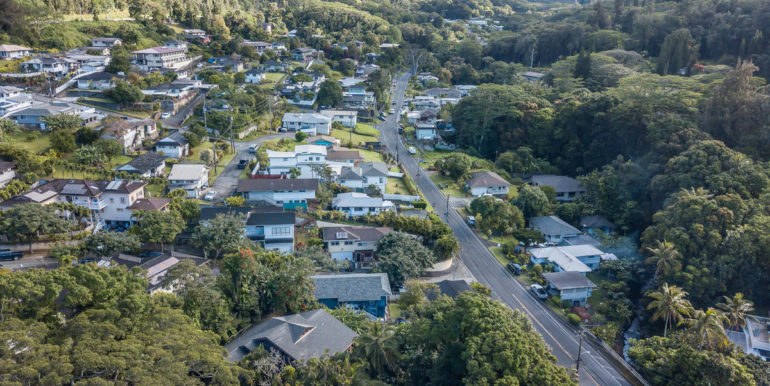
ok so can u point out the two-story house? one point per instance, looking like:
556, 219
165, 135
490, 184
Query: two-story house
158, 58
359, 178
172, 96
487, 182
288, 193
356, 244
272, 228
304, 54
57, 67
130, 133
308, 123
567, 188
119, 196
359, 204
173, 146
571, 287
425, 131
7, 172
192, 178
308, 159
96, 81
346, 118
33, 115
255, 76
149, 164
363, 291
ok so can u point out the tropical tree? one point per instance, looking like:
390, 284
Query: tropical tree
670, 304
735, 310
379, 347
708, 326
665, 257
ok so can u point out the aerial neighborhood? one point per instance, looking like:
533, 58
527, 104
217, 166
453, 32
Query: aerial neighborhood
327, 192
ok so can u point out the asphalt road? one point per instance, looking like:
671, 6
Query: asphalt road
561, 337
226, 182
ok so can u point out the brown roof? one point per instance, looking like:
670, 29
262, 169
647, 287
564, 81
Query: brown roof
339, 155
487, 179
150, 203
4, 165
362, 233
265, 184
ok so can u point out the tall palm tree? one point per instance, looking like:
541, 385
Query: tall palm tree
670, 304
735, 310
665, 257
708, 326
379, 347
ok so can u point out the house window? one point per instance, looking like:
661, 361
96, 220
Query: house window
348, 243
281, 231
359, 209
335, 243
361, 244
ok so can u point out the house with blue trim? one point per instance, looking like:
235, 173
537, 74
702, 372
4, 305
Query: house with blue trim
361, 291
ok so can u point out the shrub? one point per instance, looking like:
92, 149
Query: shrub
573, 319
420, 204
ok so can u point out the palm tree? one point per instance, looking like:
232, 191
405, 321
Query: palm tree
669, 304
665, 257
707, 326
735, 310
379, 347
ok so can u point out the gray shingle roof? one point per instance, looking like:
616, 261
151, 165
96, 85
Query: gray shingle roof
270, 184
271, 218
175, 138
210, 212
487, 179
353, 287
568, 280
298, 336
147, 161
374, 169
453, 288
562, 184
552, 225
356, 233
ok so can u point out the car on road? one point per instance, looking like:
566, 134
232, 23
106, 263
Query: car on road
210, 195
165, 116
392, 111
471, 221
243, 163
7, 254
412, 150
514, 268
252, 149
538, 291
401, 129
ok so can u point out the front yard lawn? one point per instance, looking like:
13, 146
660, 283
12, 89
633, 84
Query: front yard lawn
396, 186
34, 141
451, 189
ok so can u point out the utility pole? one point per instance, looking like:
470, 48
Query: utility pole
580, 350
270, 109
206, 126
232, 142
447, 208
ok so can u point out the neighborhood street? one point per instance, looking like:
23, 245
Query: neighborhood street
561, 337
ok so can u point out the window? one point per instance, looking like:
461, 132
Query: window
361, 244
335, 243
358, 209
112, 200
348, 243
281, 231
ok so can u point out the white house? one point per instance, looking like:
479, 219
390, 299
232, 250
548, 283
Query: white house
55, 66
344, 157
361, 177
487, 182
309, 123
567, 188
307, 158
273, 229
149, 164
553, 228
7, 172
173, 146
563, 256
192, 178
344, 117
12, 51
356, 244
359, 204
96, 81
130, 133
289, 193
106, 42
163, 57
255, 76
559, 259
11, 104
119, 195
571, 287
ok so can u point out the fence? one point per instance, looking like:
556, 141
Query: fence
401, 197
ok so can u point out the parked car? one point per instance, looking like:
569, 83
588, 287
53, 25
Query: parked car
252, 149
392, 111
471, 221
514, 268
401, 130
538, 291
165, 116
412, 150
7, 254
243, 163
210, 195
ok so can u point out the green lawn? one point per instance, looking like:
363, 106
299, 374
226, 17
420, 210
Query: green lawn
366, 129
452, 189
498, 253
395, 311
370, 155
34, 141
119, 160
396, 186
273, 76
345, 136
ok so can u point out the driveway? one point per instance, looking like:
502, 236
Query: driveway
227, 181
177, 119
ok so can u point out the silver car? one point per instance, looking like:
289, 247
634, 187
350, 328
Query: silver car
538, 291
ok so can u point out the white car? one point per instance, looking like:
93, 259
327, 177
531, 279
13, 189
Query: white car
165, 116
412, 150
210, 195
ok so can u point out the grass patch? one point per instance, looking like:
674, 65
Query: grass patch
396, 186
499, 256
31, 140
395, 311
155, 190
365, 129
452, 189
273, 76
118, 161
345, 136
370, 155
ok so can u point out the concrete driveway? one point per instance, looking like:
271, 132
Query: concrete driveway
227, 181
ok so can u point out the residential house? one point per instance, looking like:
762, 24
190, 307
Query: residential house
308, 123
51, 65
425, 131
465, 89
346, 157
10, 91
208, 213
173, 146
7, 172
304, 54
149, 164
175, 95
160, 204
565, 256
532, 76
96, 81
255, 76
33, 115
154, 267
308, 159
130, 133
425, 77
561, 261
324, 140
272, 228
161, 58
363, 291
259, 47
106, 42
567, 188
594, 224
12, 100
443, 93
553, 228
274, 66
192, 178
357, 98
289, 193
451, 288
356, 244
267, 27
359, 204
754, 337
13, 51
571, 287
344, 117
363, 70
198, 35
118, 196
424, 103
84, 63
232, 63
175, 43
484, 183
296, 337
359, 178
